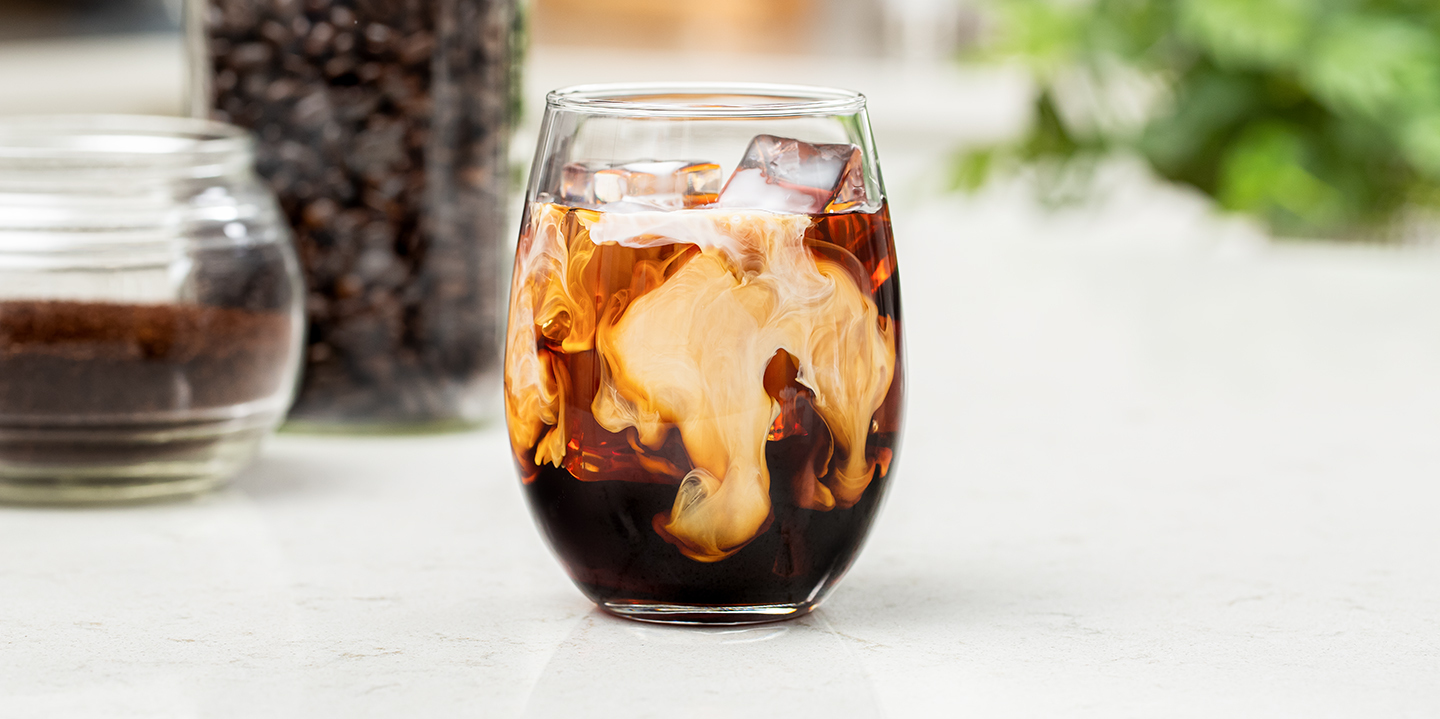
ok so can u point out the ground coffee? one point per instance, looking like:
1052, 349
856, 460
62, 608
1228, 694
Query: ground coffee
64, 361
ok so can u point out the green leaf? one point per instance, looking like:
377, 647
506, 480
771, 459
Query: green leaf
1131, 29
1241, 34
1421, 144
1184, 143
1374, 65
1049, 137
972, 169
1319, 116
1265, 172
1046, 35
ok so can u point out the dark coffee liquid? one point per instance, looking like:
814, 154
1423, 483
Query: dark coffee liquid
603, 509
603, 533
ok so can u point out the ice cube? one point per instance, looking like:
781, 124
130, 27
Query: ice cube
698, 183
665, 184
653, 184
577, 182
750, 189
611, 184
789, 175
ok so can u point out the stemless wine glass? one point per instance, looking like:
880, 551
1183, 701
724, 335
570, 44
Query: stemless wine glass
703, 372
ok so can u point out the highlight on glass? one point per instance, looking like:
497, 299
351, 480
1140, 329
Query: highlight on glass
704, 365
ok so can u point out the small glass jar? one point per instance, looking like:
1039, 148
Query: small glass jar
150, 308
384, 130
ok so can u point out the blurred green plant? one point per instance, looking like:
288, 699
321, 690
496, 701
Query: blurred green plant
1318, 116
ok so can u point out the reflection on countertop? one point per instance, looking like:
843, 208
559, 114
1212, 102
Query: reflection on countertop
796, 669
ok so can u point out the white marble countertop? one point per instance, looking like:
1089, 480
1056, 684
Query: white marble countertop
1162, 478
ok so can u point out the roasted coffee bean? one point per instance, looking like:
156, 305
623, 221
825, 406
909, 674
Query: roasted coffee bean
384, 129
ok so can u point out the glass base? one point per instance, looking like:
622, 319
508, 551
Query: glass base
107, 465
704, 614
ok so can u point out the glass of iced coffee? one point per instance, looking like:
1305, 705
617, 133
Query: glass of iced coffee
704, 371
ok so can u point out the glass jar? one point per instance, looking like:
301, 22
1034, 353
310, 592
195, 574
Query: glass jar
150, 308
384, 130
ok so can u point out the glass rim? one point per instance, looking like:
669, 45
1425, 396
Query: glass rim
53, 142
642, 99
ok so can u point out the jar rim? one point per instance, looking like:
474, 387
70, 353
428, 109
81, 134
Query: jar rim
704, 100
188, 146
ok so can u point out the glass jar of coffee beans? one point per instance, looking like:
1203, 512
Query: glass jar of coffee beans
383, 129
